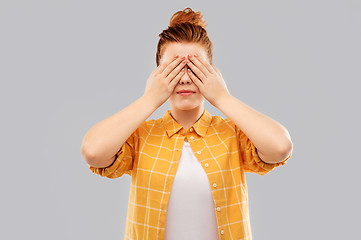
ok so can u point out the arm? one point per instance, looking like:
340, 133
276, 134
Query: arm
104, 139
271, 139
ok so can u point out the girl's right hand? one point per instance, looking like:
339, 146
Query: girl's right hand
164, 78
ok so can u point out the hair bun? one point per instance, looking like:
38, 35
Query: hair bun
187, 16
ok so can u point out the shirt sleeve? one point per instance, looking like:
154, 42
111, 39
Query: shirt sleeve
250, 159
123, 160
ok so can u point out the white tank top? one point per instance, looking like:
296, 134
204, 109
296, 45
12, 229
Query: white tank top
190, 211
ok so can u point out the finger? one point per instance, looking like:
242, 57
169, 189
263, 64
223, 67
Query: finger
205, 63
156, 70
175, 80
194, 71
216, 69
202, 70
195, 79
175, 71
163, 65
171, 65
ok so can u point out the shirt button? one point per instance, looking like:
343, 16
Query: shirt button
222, 231
199, 152
206, 165
214, 185
191, 137
191, 130
218, 209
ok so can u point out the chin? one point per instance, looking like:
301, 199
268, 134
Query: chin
185, 103
185, 107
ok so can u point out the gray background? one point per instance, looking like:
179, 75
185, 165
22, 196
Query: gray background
66, 65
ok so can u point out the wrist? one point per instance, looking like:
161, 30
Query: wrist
151, 101
222, 99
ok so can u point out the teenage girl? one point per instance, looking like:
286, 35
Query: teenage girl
187, 168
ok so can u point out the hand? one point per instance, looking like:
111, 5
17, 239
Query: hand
164, 78
207, 78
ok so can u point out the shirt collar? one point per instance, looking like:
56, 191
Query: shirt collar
200, 127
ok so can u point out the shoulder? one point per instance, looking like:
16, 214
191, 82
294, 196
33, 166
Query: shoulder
153, 125
221, 124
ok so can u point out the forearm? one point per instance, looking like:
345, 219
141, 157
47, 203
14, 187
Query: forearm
271, 139
104, 139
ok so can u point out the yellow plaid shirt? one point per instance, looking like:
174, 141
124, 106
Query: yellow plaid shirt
151, 156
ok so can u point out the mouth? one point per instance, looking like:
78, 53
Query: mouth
187, 93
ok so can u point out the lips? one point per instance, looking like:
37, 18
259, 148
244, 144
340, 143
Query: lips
186, 91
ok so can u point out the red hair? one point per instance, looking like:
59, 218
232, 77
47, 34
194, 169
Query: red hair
185, 26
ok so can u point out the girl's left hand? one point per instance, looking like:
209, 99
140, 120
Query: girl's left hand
207, 78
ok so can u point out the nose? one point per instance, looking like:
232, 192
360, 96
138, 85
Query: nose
185, 79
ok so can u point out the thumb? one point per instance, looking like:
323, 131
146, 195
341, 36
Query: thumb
217, 70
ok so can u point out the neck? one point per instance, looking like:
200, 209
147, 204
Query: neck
187, 118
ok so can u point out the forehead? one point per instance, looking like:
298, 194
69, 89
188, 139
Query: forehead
183, 49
